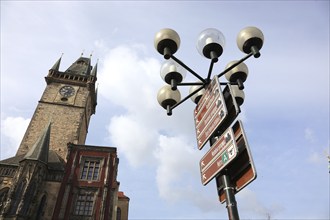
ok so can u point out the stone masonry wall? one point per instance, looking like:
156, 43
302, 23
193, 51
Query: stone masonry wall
68, 119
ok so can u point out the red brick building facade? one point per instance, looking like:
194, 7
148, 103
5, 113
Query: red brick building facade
89, 184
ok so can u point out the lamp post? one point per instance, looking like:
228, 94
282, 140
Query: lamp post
210, 44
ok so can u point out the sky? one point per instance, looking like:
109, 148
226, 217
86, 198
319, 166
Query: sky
285, 113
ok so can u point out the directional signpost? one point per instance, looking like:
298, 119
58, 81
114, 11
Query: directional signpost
222, 152
229, 159
241, 171
209, 113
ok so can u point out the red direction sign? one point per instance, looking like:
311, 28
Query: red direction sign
210, 111
241, 170
222, 152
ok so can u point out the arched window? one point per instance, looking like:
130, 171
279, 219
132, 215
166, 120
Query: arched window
41, 207
3, 197
28, 198
118, 214
17, 197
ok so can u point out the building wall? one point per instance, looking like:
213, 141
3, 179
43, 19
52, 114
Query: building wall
123, 205
51, 191
102, 188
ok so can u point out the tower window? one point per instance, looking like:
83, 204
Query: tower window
91, 169
84, 204
118, 214
17, 197
41, 208
3, 197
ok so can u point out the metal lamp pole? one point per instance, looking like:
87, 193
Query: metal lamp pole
230, 197
229, 190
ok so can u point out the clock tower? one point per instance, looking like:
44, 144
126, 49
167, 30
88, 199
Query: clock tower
54, 175
68, 101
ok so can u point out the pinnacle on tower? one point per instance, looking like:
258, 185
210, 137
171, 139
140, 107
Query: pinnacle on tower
94, 71
57, 64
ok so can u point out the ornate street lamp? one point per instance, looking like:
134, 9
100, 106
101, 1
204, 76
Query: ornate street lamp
210, 44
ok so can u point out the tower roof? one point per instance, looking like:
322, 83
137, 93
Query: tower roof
81, 67
40, 149
121, 195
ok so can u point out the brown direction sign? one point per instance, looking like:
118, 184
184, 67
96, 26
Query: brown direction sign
221, 153
210, 111
241, 170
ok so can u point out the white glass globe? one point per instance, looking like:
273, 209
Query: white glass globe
209, 40
172, 70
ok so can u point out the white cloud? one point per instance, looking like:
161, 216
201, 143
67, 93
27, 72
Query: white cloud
144, 134
178, 174
317, 158
251, 203
128, 82
177, 162
134, 140
128, 79
309, 135
100, 45
12, 131
314, 158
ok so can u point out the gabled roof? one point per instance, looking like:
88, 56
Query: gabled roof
55, 162
13, 161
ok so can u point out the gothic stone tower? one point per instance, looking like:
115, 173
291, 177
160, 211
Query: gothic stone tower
54, 175
68, 101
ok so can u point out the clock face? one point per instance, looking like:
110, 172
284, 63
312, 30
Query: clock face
67, 91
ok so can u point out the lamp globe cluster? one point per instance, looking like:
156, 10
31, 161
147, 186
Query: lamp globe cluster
210, 44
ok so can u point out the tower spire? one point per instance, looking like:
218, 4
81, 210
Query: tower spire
94, 71
56, 66
40, 149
